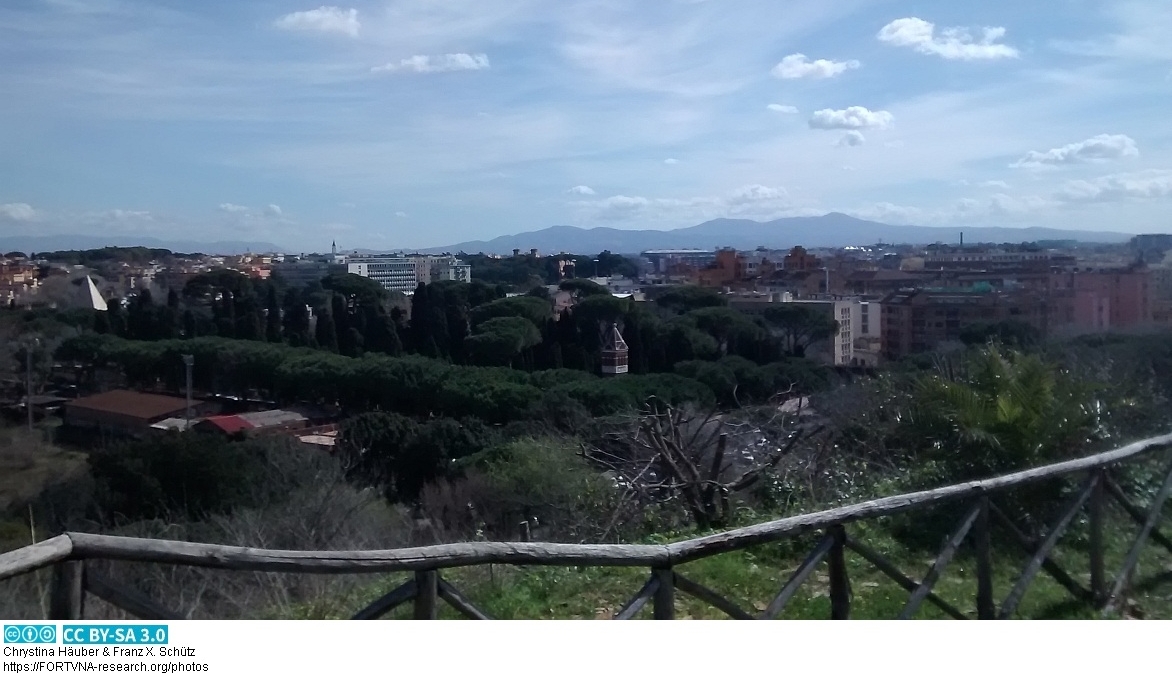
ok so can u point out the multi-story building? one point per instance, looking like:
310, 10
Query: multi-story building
666, 261
1108, 298
866, 320
298, 273
922, 320
405, 273
394, 273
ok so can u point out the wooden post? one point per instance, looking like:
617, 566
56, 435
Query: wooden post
426, 591
1098, 568
840, 584
66, 600
986, 608
665, 594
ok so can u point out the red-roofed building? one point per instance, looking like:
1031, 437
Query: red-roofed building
224, 424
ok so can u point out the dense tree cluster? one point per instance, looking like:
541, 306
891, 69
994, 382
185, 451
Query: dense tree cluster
525, 271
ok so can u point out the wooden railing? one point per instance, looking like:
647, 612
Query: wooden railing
67, 554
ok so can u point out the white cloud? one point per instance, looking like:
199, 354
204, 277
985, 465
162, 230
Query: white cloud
401, 214
778, 108
994, 184
950, 43
581, 190
130, 215
323, 20
748, 201
445, 63
1104, 147
852, 138
273, 210
797, 66
1150, 184
18, 211
233, 208
854, 117
671, 160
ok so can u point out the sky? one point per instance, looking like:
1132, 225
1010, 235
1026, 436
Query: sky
419, 123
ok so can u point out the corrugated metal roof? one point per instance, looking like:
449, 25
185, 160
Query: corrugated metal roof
272, 418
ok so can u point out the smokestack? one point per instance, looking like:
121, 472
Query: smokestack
962, 239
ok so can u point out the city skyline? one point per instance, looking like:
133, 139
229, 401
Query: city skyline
413, 124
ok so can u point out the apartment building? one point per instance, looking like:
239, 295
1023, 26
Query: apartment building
922, 320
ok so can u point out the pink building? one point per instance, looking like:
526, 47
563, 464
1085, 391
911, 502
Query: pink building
1110, 299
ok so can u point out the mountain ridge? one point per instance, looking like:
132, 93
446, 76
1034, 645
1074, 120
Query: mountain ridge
830, 230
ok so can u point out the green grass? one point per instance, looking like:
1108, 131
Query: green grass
751, 578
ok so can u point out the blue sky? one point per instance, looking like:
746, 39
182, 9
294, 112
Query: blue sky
419, 123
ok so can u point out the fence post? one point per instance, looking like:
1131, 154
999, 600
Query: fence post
426, 591
1098, 568
665, 594
986, 608
840, 584
67, 595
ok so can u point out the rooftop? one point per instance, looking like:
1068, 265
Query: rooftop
134, 404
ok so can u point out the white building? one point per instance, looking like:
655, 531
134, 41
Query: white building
405, 273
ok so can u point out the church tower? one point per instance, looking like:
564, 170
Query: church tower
614, 351
334, 248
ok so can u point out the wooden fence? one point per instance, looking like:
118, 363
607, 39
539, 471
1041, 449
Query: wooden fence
67, 554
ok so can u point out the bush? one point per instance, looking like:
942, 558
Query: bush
542, 481
190, 474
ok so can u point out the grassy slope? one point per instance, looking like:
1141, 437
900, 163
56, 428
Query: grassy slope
27, 468
751, 578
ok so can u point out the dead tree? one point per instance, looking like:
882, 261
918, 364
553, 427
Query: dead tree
700, 459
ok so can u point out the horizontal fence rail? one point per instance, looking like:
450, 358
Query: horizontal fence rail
67, 553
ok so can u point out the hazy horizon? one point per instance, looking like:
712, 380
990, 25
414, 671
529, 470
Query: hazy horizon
412, 124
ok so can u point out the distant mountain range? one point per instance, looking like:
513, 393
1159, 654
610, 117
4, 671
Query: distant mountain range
27, 244
831, 230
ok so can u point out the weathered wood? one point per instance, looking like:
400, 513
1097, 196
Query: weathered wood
840, 585
1030, 546
702, 547
1154, 514
942, 559
1135, 513
710, 597
67, 595
1009, 605
799, 576
1095, 539
887, 568
34, 556
426, 592
456, 600
387, 602
665, 595
986, 607
370, 561
636, 604
129, 599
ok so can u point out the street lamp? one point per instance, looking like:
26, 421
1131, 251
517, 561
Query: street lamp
188, 360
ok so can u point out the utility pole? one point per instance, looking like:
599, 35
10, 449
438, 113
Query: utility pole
28, 383
188, 360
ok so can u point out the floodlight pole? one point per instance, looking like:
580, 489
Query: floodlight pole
188, 360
